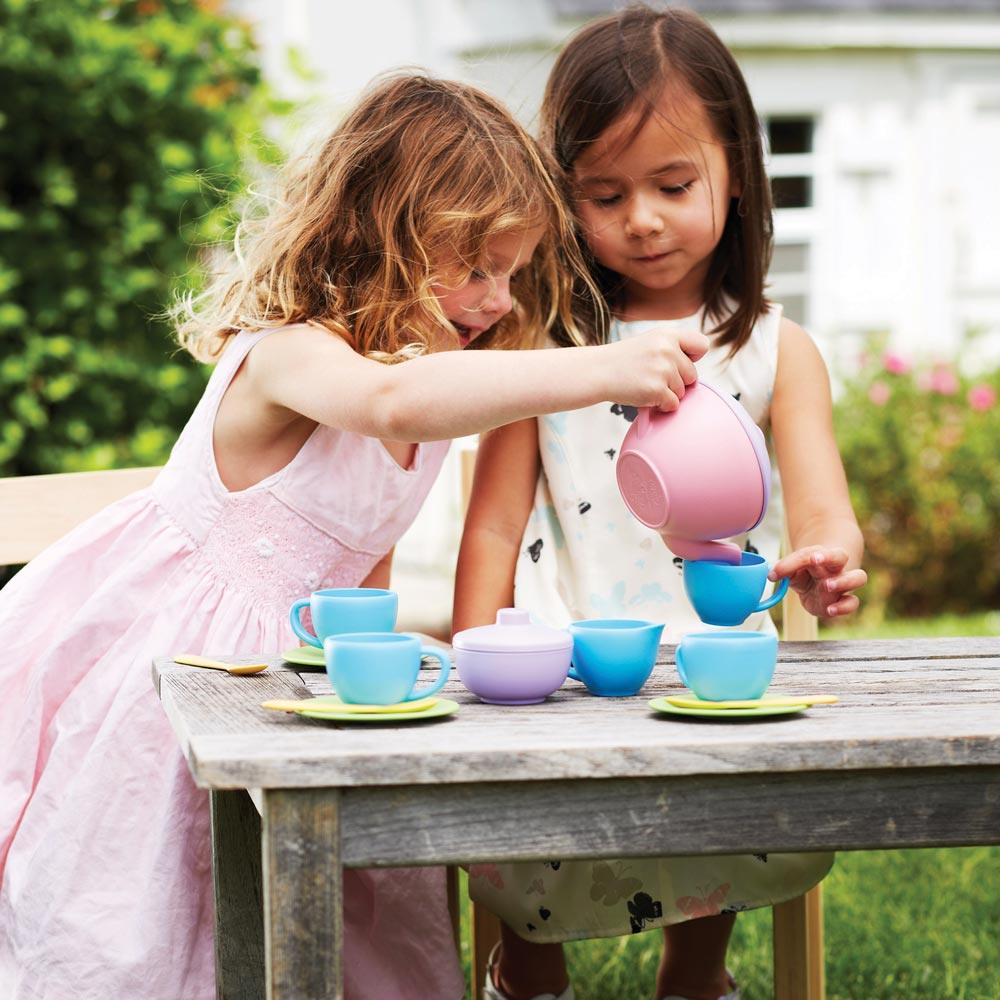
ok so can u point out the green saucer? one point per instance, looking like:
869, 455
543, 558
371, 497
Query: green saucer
304, 656
724, 714
444, 706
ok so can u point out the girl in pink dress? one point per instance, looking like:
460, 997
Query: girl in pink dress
427, 221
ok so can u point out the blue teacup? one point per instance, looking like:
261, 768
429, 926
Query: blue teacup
614, 656
726, 594
345, 609
379, 668
727, 666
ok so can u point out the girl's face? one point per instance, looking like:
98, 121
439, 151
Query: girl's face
653, 208
483, 298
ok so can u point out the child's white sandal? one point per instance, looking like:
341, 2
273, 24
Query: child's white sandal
733, 994
493, 992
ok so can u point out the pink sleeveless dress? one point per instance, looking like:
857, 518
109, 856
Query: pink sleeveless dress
105, 875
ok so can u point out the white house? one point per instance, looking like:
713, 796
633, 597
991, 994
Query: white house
884, 124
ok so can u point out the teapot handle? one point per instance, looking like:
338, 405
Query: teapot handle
642, 421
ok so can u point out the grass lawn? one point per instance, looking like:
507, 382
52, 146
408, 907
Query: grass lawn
899, 925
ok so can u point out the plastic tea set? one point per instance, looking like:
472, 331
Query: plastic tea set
697, 475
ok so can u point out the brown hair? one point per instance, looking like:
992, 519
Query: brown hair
623, 62
421, 174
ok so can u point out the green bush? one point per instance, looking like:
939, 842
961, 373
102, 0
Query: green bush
124, 130
920, 449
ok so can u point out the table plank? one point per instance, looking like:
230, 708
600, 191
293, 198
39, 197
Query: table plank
716, 814
936, 709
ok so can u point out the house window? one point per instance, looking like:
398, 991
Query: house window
791, 168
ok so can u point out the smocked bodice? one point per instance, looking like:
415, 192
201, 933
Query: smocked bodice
325, 519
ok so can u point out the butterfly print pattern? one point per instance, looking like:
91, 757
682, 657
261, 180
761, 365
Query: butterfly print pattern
611, 887
707, 905
628, 412
641, 909
489, 872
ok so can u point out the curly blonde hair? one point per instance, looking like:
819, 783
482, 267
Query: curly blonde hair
420, 176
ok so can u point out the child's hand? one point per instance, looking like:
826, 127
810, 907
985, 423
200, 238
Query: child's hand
818, 576
653, 368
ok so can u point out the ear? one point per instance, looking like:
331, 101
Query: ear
735, 188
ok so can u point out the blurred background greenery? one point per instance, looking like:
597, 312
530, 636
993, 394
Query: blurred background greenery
127, 132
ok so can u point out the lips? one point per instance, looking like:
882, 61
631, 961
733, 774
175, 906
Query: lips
466, 334
653, 257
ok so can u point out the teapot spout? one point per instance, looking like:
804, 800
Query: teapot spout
688, 548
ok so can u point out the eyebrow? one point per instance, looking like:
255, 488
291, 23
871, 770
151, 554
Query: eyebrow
676, 165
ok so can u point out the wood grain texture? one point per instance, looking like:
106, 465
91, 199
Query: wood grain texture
903, 704
303, 894
239, 915
799, 972
704, 814
35, 511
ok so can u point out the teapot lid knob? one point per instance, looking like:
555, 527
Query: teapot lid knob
513, 616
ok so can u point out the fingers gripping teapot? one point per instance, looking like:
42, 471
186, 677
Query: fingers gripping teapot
697, 474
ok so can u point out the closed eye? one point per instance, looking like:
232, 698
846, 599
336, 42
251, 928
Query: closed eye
677, 189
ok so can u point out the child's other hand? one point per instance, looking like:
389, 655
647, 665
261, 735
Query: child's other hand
653, 368
818, 576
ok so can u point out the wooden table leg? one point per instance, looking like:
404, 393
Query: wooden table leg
484, 935
798, 948
303, 894
239, 918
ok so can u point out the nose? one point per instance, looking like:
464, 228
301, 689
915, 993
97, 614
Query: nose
498, 302
642, 219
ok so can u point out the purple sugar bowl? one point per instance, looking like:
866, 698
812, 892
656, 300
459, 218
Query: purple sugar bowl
513, 662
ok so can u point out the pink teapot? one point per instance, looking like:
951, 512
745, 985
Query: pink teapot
697, 474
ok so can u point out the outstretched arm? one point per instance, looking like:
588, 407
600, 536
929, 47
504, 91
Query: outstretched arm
305, 371
502, 492
824, 565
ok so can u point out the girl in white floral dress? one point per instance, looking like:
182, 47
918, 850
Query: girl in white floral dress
650, 118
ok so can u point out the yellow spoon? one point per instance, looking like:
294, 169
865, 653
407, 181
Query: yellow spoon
190, 660
339, 707
814, 699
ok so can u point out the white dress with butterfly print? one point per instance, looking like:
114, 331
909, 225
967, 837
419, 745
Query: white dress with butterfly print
584, 556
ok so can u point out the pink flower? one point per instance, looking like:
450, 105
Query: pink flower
895, 364
943, 381
879, 393
982, 397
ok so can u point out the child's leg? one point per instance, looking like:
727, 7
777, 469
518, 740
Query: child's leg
523, 969
693, 964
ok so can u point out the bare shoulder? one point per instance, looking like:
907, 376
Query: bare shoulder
799, 359
294, 345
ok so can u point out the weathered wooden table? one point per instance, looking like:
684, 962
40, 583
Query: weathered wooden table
910, 757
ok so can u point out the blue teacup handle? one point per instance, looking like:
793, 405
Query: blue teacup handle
777, 596
679, 663
296, 623
440, 682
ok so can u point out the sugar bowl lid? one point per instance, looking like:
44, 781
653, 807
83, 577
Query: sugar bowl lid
514, 632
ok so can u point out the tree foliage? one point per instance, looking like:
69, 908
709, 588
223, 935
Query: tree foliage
125, 129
